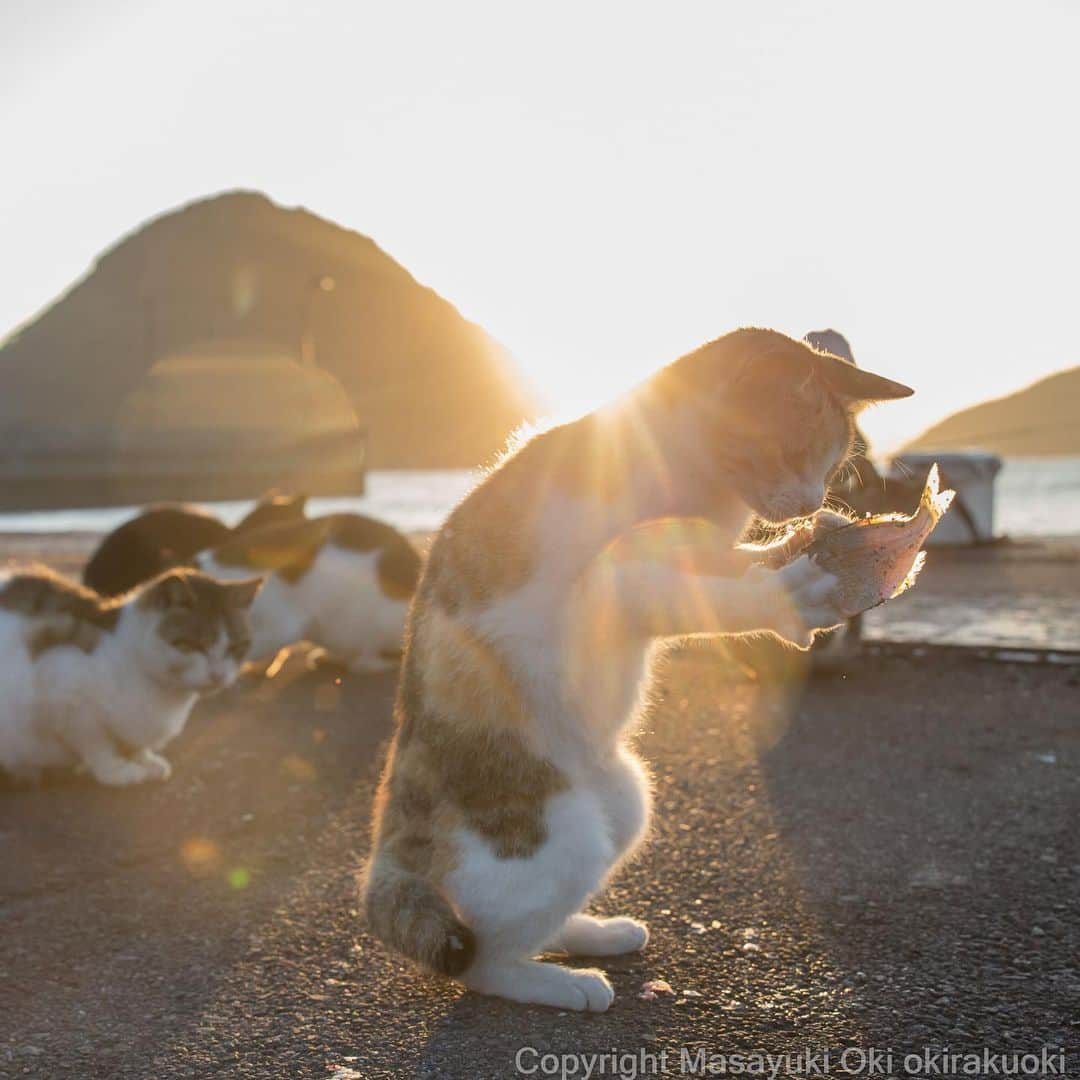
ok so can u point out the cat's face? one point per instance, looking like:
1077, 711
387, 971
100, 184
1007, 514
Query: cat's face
197, 629
795, 454
771, 418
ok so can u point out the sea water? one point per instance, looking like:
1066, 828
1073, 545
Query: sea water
1034, 497
1038, 497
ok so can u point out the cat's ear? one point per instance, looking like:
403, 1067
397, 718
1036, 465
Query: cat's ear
173, 590
856, 385
241, 594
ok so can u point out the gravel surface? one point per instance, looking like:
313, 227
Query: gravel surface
887, 859
883, 859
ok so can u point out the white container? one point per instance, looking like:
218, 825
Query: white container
971, 475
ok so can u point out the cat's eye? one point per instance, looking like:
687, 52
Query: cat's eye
187, 645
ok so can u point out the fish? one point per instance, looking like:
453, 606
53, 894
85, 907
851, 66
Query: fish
878, 558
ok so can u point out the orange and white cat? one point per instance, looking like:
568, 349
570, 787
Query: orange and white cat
511, 793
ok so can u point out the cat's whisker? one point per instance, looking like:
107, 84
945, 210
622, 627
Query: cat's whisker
903, 468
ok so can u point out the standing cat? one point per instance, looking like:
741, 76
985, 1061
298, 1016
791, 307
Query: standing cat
107, 683
166, 536
343, 581
511, 792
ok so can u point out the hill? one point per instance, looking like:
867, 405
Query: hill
239, 276
1041, 419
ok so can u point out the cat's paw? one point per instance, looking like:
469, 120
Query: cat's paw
827, 521
121, 773
811, 601
619, 936
535, 983
628, 935
157, 767
586, 935
800, 535
592, 991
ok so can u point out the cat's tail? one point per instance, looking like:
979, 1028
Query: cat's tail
408, 913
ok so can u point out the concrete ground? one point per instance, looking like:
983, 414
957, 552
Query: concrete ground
886, 858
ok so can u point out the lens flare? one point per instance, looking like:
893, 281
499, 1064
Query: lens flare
201, 856
298, 768
239, 878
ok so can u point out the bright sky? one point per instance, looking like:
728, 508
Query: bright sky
602, 185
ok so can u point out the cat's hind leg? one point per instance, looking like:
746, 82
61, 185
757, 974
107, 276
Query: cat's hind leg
587, 935
516, 906
623, 788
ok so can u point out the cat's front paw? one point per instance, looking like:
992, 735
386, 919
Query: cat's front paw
801, 535
811, 601
827, 521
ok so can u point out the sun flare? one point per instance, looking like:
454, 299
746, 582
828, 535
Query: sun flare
569, 384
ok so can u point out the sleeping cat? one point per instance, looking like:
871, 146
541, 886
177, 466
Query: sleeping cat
106, 684
343, 581
511, 792
166, 536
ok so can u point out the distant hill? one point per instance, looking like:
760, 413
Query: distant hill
239, 276
1042, 419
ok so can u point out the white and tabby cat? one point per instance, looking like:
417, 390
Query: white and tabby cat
106, 684
511, 792
342, 581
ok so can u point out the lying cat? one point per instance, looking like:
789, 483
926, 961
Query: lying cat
511, 792
106, 684
343, 581
166, 536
